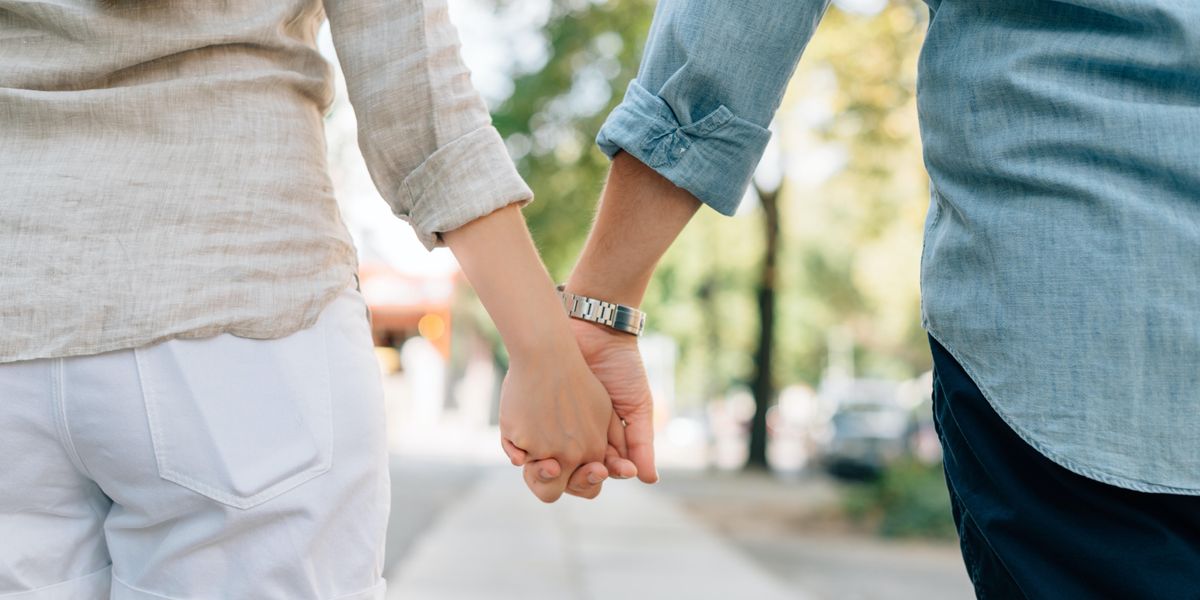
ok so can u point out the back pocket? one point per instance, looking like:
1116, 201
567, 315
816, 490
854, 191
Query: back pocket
238, 420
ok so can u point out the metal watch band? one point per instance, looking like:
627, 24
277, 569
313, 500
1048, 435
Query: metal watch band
625, 319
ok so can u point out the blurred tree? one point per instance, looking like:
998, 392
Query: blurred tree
857, 233
763, 385
553, 115
849, 217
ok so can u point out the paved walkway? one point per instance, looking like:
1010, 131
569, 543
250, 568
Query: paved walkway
498, 542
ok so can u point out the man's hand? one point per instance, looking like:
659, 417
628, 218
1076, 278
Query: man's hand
640, 214
614, 358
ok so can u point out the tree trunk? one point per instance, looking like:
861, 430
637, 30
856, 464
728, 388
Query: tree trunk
706, 298
763, 385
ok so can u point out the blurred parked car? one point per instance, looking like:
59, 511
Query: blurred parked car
871, 429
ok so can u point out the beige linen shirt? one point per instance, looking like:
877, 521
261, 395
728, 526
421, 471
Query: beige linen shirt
162, 164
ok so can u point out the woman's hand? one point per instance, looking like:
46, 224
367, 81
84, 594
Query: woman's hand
553, 407
614, 359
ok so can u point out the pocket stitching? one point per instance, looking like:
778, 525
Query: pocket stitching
166, 472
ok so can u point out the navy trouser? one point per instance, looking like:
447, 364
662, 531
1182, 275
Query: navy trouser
1032, 529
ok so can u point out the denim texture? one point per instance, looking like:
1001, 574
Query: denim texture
1061, 264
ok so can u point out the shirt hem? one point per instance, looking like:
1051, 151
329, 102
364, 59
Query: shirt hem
1057, 458
312, 312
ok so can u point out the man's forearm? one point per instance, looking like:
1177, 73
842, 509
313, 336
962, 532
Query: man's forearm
640, 215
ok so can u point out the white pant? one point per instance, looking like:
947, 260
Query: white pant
222, 468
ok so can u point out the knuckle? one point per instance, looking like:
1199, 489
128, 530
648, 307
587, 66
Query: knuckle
574, 456
517, 439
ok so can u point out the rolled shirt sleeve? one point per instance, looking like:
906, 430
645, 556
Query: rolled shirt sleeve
424, 131
711, 78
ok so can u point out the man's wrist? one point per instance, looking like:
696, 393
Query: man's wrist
617, 289
619, 317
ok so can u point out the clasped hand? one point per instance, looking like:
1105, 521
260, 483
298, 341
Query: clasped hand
577, 412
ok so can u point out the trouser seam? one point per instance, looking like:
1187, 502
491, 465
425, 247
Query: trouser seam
43, 589
133, 588
359, 594
138, 590
60, 414
977, 560
967, 518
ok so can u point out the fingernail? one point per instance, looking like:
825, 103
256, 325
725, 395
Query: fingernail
594, 478
544, 474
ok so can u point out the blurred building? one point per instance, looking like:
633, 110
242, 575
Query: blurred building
404, 305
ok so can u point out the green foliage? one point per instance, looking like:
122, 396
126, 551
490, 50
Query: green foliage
553, 115
851, 239
853, 242
908, 500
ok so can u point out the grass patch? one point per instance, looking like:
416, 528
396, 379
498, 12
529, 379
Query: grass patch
908, 500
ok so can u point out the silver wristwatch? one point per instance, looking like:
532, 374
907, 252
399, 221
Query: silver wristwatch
625, 319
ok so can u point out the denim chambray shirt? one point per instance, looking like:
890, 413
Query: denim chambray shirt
1062, 248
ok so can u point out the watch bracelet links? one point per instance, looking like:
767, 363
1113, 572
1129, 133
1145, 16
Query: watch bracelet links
625, 319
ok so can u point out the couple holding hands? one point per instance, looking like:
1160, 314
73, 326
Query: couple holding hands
189, 403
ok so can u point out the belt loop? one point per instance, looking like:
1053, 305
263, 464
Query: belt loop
358, 288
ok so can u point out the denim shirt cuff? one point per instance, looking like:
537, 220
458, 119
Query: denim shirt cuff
713, 158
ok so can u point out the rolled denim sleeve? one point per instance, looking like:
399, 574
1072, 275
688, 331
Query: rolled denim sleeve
424, 131
711, 78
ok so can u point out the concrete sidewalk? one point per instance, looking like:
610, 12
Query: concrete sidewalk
499, 542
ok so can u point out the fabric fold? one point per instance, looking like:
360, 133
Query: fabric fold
713, 158
468, 178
